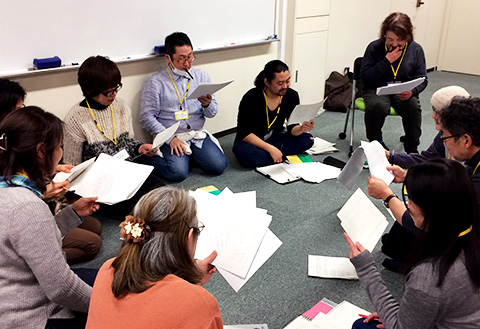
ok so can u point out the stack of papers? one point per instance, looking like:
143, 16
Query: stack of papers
397, 88
362, 220
321, 146
314, 172
110, 179
237, 230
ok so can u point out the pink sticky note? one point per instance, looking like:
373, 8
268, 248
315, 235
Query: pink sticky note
319, 307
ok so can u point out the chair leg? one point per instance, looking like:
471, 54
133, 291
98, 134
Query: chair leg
343, 134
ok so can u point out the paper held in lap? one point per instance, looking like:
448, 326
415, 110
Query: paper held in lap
110, 179
397, 88
204, 89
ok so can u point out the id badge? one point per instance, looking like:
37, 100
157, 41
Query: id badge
267, 136
181, 115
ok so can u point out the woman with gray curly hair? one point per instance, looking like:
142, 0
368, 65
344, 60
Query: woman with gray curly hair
155, 281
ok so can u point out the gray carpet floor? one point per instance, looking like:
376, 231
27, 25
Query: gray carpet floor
304, 218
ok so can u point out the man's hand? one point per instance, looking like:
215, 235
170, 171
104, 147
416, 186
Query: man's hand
86, 206
405, 95
307, 126
205, 266
394, 54
205, 100
276, 154
176, 145
398, 172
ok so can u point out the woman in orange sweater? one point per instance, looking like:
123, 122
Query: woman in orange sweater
154, 282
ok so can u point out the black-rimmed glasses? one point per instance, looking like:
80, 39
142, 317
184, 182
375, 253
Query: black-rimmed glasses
198, 229
183, 59
444, 138
110, 92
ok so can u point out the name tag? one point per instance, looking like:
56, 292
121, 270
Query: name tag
181, 115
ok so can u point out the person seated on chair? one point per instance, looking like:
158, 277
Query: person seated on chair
261, 137
442, 288
461, 135
102, 123
155, 282
440, 99
394, 57
164, 102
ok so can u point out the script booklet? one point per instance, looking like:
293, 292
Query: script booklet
305, 112
397, 88
110, 179
204, 89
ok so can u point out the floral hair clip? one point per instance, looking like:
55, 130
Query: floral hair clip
134, 230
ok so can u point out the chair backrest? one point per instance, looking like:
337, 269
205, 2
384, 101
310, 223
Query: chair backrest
357, 66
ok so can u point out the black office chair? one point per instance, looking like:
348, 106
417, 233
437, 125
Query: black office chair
356, 103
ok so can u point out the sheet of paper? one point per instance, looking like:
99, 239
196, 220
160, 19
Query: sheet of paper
76, 171
247, 326
304, 112
112, 180
362, 220
397, 88
350, 173
324, 322
164, 135
270, 244
314, 172
331, 267
320, 307
204, 89
123, 155
321, 146
278, 173
343, 315
377, 161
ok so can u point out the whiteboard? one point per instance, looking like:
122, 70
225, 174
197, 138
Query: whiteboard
77, 29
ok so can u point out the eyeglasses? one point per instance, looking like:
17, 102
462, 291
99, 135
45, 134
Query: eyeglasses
110, 92
183, 59
443, 138
198, 229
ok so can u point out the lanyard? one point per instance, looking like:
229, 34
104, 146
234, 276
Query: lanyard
180, 100
395, 72
114, 140
475, 170
267, 109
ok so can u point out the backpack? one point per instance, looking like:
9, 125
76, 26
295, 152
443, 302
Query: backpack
338, 90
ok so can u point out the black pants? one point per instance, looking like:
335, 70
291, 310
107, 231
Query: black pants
378, 107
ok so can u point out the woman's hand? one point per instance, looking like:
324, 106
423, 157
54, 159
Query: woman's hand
377, 188
355, 247
86, 206
56, 190
374, 316
65, 168
206, 267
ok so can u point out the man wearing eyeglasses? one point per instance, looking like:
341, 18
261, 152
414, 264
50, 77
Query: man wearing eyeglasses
164, 103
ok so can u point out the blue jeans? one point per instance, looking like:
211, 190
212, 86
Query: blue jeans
175, 168
252, 157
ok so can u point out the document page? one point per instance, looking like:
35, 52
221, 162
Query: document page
377, 161
112, 180
314, 172
76, 171
362, 220
343, 315
331, 267
352, 170
164, 135
204, 89
278, 173
304, 112
397, 88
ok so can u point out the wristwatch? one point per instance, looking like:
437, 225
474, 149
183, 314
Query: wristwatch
387, 200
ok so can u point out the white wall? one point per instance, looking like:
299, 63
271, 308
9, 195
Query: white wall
57, 92
353, 25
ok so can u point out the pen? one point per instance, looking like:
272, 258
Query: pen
189, 73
